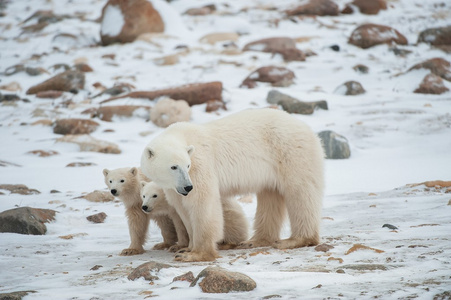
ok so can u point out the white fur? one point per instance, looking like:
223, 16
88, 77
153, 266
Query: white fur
262, 151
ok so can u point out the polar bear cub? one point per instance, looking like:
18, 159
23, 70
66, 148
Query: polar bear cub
125, 183
236, 226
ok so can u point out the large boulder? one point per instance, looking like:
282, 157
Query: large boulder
369, 35
315, 7
368, 7
439, 36
437, 66
26, 220
432, 84
335, 145
123, 21
219, 280
69, 81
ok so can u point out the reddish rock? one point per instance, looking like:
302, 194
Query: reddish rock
20, 189
97, 218
106, 113
437, 66
368, 7
82, 67
219, 280
276, 76
80, 164
75, 126
281, 45
98, 196
440, 36
215, 105
138, 17
196, 93
369, 35
323, 247
26, 220
49, 94
185, 277
201, 11
69, 81
43, 153
315, 7
146, 269
432, 84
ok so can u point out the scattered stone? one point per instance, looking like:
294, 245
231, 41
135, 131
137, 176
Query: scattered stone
335, 48
15, 295
439, 36
146, 269
96, 267
97, 218
276, 76
219, 280
196, 93
277, 45
215, 105
44, 122
432, 84
20, 189
185, 277
124, 21
11, 87
315, 7
357, 247
341, 271
201, 11
75, 126
350, 88
83, 67
69, 81
368, 7
98, 196
324, 247
369, 35
4, 163
442, 296
437, 66
389, 226
272, 296
43, 153
107, 113
88, 143
365, 267
26, 220
399, 52
9, 97
216, 37
71, 236
49, 94
168, 111
115, 90
340, 260
335, 146
80, 164
361, 69
293, 105
168, 60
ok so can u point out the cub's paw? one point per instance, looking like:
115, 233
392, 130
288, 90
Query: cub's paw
161, 246
253, 244
178, 248
195, 256
131, 251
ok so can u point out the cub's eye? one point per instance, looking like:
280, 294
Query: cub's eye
144, 196
154, 196
174, 168
111, 181
122, 180
189, 166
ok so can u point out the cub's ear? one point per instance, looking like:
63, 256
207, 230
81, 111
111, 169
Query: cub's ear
105, 172
190, 149
143, 183
134, 171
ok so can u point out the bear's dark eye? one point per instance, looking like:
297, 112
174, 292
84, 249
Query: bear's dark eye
144, 196
154, 196
111, 181
174, 168
189, 166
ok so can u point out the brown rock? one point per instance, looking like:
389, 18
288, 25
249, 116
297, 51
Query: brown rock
368, 7
219, 280
15, 295
185, 277
315, 7
75, 126
88, 143
196, 93
293, 105
138, 17
145, 270
350, 88
20, 189
213, 38
69, 81
215, 105
276, 76
98, 196
80, 164
97, 218
432, 84
82, 67
369, 35
437, 66
281, 45
26, 220
106, 113
49, 94
324, 247
43, 153
201, 11
440, 36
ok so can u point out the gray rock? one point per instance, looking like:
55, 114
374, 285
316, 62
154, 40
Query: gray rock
146, 269
436, 36
18, 189
97, 218
219, 280
365, 267
293, 105
335, 146
15, 295
75, 126
350, 88
26, 220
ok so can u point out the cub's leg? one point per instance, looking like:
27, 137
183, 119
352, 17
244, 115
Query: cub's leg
138, 225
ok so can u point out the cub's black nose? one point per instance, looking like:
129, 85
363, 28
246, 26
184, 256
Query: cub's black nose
113, 191
188, 188
145, 207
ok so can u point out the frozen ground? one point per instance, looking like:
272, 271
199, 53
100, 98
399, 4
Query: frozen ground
396, 137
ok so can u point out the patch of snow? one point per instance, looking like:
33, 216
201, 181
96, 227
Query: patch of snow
112, 21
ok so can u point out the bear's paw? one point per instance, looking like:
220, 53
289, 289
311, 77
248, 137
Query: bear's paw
131, 251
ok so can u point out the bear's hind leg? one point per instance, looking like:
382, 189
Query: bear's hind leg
271, 212
168, 231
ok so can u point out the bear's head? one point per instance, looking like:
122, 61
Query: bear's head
153, 198
120, 180
168, 166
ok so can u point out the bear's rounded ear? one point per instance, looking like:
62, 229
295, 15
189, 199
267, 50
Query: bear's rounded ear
143, 183
105, 172
134, 171
190, 149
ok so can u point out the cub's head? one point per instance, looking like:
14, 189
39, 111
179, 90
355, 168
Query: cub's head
153, 198
168, 166
120, 180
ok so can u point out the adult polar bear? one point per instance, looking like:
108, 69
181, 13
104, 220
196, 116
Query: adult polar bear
262, 151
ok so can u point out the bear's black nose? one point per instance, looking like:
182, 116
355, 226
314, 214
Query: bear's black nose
145, 207
113, 191
188, 188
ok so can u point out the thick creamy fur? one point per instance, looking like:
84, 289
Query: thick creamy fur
125, 183
262, 151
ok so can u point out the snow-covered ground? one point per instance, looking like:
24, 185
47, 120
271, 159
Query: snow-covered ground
396, 137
